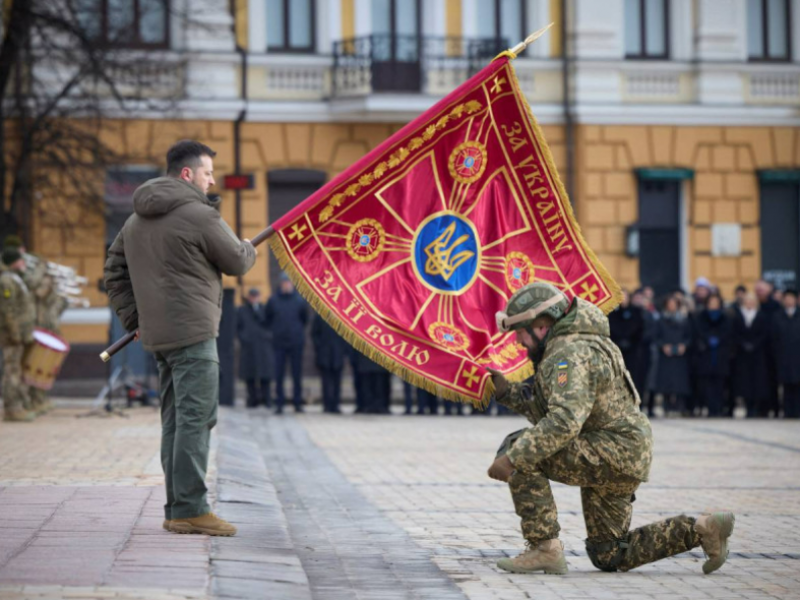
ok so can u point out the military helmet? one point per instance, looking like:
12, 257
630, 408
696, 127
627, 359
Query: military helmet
532, 301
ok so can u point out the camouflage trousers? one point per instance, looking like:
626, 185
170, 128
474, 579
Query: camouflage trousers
607, 498
38, 397
15, 392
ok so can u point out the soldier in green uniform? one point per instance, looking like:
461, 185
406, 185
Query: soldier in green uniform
588, 432
16, 331
48, 306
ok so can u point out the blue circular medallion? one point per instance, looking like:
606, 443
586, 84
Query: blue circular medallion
517, 273
446, 253
364, 241
469, 162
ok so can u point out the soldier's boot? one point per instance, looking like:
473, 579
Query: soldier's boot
19, 415
546, 556
715, 529
209, 524
167, 524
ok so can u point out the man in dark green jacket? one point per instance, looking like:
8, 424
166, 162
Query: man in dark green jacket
588, 432
163, 277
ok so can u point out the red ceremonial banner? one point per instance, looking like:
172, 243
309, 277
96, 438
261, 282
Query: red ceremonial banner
411, 251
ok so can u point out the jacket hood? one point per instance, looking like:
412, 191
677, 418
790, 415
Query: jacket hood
159, 196
583, 317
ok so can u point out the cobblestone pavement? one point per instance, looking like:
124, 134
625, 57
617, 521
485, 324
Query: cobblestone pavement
81, 510
428, 475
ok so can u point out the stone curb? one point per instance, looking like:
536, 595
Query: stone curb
260, 561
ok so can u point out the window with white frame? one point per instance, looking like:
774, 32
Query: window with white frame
768, 30
290, 26
647, 29
501, 20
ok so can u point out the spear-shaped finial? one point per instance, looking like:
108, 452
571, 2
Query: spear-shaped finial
512, 53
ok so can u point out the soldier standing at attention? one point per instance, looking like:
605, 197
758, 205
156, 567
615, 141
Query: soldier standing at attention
587, 432
163, 279
16, 331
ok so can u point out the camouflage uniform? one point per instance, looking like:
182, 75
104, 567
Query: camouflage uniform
589, 432
49, 306
16, 330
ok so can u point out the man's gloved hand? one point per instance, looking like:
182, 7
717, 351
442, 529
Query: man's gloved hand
501, 469
500, 383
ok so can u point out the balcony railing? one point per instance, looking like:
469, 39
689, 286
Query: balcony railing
406, 63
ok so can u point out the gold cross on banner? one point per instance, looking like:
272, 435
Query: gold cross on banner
471, 376
588, 292
297, 231
498, 83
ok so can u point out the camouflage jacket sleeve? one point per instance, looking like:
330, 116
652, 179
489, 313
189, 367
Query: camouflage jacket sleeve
523, 399
566, 385
118, 284
9, 312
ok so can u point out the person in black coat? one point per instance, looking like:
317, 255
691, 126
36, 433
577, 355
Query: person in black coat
750, 377
713, 345
770, 308
330, 350
286, 315
627, 330
255, 350
673, 339
372, 383
785, 343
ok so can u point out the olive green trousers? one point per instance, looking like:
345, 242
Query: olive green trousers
189, 386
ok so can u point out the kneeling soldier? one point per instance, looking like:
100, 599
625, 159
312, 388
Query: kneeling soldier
587, 431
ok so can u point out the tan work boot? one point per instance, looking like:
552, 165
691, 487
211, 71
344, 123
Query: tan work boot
167, 524
209, 524
715, 530
19, 415
547, 556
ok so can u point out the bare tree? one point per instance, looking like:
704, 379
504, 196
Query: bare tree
66, 68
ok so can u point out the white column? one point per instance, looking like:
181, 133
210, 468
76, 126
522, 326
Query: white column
681, 28
721, 36
721, 30
324, 41
257, 26
363, 17
469, 18
433, 18
538, 16
598, 29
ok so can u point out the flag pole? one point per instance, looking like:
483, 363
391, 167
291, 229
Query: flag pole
106, 354
512, 53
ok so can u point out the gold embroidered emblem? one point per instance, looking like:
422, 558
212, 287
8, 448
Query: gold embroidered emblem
441, 260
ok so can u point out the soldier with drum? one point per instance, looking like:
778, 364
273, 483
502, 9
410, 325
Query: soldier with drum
17, 314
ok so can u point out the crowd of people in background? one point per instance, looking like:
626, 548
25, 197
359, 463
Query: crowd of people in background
692, 354
701, 356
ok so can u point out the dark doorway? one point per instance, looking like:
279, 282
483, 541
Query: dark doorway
396, 45
660, 235
780, 233
286, 188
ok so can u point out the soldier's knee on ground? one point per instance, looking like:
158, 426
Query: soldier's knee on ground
607, 555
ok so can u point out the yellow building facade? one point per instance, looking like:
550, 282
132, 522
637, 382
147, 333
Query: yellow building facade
623, 120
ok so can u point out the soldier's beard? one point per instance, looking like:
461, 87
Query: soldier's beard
536, 353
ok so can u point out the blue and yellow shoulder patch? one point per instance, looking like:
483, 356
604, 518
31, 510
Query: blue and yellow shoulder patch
562, 369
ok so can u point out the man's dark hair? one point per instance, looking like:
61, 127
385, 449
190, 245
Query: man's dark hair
186, 153
741, 288
790, 292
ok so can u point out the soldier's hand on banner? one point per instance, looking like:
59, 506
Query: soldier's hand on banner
501, 469
500, 383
